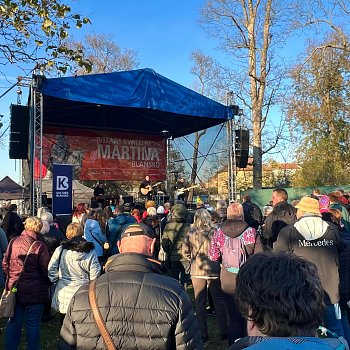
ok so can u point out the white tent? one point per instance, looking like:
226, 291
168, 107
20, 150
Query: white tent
81, 193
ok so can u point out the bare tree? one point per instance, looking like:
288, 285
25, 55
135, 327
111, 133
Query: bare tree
324, 19
245, 29
206, 69
105, 54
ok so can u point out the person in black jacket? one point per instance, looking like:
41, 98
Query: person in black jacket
12, 224
252, 213
344, 290
283, 214
51, 235
142, 308
319, 242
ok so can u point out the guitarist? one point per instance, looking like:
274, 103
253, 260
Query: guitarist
182, 184
146, 185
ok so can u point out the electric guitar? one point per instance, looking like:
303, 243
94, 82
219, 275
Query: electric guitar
148, 189
183, 189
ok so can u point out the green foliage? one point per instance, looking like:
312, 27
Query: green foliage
33, 32
319, 113
323, 164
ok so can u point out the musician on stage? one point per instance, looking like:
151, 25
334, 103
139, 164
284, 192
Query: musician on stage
99, 193
146, 188
180, 185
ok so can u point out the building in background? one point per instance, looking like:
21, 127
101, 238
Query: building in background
274, 175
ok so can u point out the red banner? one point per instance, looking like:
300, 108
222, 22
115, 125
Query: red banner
103, 155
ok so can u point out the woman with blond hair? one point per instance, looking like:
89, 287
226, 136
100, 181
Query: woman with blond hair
72, 264
225, 239
204, 272
25, 264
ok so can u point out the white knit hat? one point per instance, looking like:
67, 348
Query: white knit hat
160, 210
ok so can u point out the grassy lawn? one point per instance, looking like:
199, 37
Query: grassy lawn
50, 333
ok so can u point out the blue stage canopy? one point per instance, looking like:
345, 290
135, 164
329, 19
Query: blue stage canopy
139, 101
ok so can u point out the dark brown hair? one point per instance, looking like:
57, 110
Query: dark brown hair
281, 293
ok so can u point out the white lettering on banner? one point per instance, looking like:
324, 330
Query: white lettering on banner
126, 152
323, 243
108, 140
62, 194
115, 141
62, 183
135, 164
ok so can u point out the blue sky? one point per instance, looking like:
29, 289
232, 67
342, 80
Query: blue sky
162, 32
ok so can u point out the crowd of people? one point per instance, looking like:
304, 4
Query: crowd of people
271, 277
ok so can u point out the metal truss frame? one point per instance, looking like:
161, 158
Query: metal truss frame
36, 143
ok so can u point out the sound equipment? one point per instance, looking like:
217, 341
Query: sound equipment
242, 147
19, 132
160, 199
94, 203
128, 199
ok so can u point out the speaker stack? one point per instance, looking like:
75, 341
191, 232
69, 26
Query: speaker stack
242, 147
19, 132
128, 199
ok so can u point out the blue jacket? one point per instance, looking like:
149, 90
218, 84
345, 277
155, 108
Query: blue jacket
116, 226
93, 233
298, 343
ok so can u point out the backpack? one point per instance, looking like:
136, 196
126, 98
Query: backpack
234, 253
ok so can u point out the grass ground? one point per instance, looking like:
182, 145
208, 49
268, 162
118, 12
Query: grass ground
50, 333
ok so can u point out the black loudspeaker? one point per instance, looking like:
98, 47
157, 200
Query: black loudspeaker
19, 132
128, 199
242, 147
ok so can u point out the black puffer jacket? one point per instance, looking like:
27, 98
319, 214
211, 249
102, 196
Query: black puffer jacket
52, 239
282, 215
142, 308
344, 277
175, 231
12, 225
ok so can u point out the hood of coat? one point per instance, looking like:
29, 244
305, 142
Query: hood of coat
121, 219
233, 228
179, 212
272, 343
132, 262
283, 206
78, 244
311, 227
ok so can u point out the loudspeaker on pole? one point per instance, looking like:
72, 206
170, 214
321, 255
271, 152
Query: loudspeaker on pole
19, 132
242, 147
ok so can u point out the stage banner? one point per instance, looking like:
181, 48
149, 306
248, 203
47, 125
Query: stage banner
105, 155
62, 191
